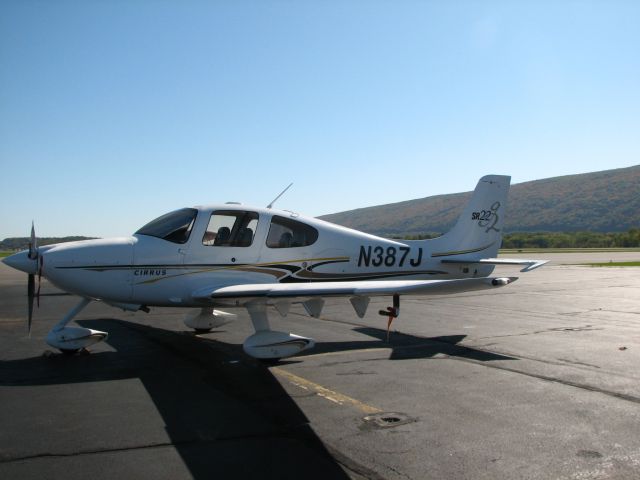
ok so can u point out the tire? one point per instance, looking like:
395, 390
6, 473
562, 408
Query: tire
269, 361
200, 331
69, 351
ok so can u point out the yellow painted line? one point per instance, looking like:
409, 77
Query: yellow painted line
330, 395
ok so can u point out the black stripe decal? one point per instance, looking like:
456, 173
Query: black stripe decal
327, 263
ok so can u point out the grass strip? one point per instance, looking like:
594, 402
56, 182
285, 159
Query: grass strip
613, 264
506, 251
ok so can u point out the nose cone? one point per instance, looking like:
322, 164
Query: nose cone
21, 261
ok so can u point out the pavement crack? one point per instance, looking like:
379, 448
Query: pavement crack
176, 444
575, 362
569, 383
398, 472
583, 386
353, 468
92, 452
583, 328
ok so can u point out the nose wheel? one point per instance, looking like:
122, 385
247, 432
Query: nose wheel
70, 340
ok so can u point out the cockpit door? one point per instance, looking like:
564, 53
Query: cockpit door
228, 246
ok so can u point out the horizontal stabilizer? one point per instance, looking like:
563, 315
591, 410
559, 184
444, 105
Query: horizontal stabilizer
529, 264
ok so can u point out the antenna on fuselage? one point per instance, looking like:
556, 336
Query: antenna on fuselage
281, 193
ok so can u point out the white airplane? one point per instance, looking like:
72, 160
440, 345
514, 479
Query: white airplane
232, 255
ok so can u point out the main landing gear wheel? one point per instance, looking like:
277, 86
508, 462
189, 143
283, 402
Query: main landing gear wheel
206, 319
69, 351
269, 362
200, 331
268, 345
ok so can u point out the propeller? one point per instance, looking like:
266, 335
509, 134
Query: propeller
31, 281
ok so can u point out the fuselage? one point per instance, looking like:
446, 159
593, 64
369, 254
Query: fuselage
231, 244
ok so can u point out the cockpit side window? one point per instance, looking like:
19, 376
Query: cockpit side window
174, 226
288, 233
230, 228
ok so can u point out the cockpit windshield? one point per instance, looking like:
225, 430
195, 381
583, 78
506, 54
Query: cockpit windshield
174, 226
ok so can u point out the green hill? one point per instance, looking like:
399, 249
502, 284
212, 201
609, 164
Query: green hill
607, 201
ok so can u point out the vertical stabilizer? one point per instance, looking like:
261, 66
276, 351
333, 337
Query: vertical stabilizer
478, 231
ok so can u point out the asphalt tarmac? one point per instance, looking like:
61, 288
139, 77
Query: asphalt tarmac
536, 380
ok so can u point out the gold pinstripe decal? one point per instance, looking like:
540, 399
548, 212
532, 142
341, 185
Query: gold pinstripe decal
461, 252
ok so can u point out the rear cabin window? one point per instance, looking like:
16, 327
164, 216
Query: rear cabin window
174, 226
230, 228
288, 233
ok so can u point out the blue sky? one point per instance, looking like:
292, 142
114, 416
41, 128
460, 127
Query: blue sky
112, 113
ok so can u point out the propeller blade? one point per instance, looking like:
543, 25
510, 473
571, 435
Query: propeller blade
33, 244
30, 293
41, 264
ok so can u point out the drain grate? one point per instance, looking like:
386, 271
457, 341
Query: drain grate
387, 419
391, 419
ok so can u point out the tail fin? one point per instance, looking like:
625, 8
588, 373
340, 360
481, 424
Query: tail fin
478, 231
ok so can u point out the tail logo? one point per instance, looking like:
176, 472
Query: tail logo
488, 218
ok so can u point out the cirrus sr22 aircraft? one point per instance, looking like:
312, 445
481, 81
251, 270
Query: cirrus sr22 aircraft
231, 255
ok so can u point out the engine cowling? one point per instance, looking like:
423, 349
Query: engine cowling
273, 345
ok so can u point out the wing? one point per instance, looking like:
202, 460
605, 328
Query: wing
529, 264
312, 295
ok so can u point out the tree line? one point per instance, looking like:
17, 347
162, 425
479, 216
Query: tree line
22, 243
628, 239
518, 240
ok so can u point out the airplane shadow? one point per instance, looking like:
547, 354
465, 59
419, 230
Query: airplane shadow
225, 413
405, 346
225, 418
